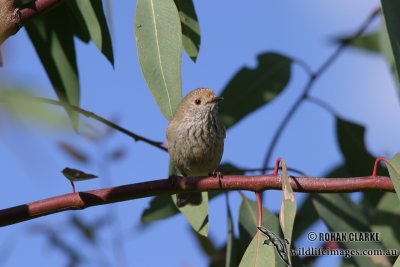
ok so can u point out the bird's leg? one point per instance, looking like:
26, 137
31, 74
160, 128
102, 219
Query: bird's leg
218, 175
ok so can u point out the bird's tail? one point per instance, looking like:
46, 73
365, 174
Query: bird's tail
183, 199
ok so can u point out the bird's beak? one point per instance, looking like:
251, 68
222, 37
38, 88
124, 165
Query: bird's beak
216, 99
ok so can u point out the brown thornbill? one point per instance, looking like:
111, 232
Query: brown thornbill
195, 138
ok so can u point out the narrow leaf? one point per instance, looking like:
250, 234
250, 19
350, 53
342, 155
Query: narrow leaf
257, 254
385, 220
391, 12
248, 227
197, 216
394, 172
397, 263
159, 47
77, 175
288, 207
52, 37
340, 214
91, 17
190, 27
252, 88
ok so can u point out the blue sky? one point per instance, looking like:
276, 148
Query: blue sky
358, 86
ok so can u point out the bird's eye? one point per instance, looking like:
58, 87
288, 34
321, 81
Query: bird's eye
197, 101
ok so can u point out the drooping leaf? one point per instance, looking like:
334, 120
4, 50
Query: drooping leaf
248, 214
391, 13
159, 47
77, 175
52, 37
257, 254
397, 263
288, 208
190, 27
161, 207
197, 216
340, 214
385, 220
394, 171
91, 18
250, 89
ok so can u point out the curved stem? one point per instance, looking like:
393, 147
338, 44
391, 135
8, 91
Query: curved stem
313, 77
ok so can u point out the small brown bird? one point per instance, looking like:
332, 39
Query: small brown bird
195, 138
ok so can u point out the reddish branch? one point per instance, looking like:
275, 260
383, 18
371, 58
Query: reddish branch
82, 200
13, 17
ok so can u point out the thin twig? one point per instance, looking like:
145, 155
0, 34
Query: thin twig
327, 63
92, 115
82, 200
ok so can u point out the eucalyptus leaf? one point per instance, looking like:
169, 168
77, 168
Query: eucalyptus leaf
250, 89
159, 46
391, 13
394, 171
340, 214
257, 254
288, 208
52, 37
190, 27
90, 15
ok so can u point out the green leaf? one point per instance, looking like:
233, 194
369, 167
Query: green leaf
288, 208
52, 37
159, 46
391, 12
248, 214
257, 254
161, 207
394, 172
252, 88
377, 42
359, 162
190, 27
386, 220
397, 263
92, 20
77, 175
340, 214
197, 216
